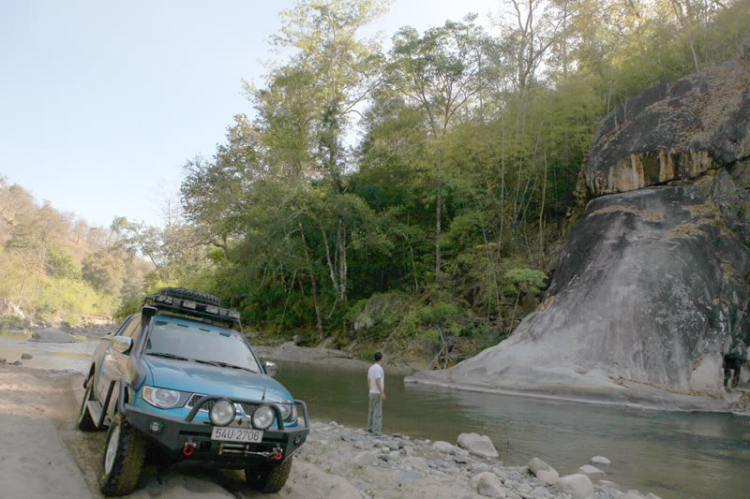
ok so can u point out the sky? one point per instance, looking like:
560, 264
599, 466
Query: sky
103, 102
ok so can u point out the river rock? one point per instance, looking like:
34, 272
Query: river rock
548, 477
578, 486
26, 356
51, 335
476, 444
443, 447
590, 471
17, 363
488, 485
535, 465
601, 460
365, 459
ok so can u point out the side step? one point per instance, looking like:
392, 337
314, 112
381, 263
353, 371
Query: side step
95, 408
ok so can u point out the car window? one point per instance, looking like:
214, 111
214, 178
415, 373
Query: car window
205, 344
131, 330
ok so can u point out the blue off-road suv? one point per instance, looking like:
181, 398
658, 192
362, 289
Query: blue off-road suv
178, 381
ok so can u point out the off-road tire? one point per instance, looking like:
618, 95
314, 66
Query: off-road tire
189, 294
85, 421
128, 459
269, 480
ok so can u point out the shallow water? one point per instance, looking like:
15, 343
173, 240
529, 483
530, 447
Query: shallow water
673, 455
58, 356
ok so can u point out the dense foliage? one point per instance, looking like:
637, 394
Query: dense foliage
419, 193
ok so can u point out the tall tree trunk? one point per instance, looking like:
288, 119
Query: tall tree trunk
438, 228
341, 241
318, 319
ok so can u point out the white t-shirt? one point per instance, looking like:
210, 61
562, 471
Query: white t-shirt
374, 373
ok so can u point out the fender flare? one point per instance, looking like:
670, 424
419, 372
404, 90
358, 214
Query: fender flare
123, 397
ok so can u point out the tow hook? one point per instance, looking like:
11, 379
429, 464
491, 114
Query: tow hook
188, 448
276, 454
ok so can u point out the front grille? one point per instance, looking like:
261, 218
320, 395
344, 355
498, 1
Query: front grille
248, 409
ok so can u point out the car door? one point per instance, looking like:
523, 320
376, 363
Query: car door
114, 364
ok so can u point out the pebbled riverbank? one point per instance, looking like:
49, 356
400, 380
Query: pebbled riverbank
337, 462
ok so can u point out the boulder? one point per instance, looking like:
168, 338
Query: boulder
479, 445
548, 477
674, 131
637, 310
488, 485
51, 335
536, 465
442, 447
591, 471
601, 460
26, 356
578, 486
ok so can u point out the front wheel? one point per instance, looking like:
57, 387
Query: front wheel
269, 480
124, 455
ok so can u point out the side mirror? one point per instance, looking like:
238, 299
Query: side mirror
271, 368
122, 344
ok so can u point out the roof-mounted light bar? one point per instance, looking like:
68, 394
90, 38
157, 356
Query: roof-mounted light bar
190, 307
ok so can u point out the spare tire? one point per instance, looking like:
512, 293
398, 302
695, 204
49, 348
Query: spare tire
189, 294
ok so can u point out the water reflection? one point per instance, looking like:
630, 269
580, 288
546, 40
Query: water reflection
669, 454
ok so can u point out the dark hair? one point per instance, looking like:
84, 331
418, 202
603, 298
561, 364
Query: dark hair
378, 356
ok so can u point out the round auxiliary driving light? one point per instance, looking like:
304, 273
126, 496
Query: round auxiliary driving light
263, 417
222, 413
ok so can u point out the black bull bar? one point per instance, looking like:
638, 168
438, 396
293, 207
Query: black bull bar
177, 434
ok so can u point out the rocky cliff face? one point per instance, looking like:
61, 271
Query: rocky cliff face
675, 131
651, 284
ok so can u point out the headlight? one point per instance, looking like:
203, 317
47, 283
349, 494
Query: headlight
222, 413
160, 397
263, 417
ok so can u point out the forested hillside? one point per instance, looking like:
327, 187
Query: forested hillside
415, 191
55, 267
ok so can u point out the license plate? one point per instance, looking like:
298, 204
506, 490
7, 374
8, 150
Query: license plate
236, 435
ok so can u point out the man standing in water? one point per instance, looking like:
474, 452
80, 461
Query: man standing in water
376, 389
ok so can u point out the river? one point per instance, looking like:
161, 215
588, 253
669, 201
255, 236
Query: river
673, 455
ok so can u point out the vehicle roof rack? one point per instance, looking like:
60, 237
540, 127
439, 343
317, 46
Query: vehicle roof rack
192, 308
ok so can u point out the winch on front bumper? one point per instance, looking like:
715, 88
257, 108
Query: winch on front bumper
186, 438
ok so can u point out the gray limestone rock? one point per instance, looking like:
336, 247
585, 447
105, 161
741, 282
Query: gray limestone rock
26, 356
488, 485
535, 465
591, 471
548, 477
638, 309
442, 446
600, 460
51, 335
476, 444
578, 486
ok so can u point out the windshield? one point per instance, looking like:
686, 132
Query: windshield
201, 344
